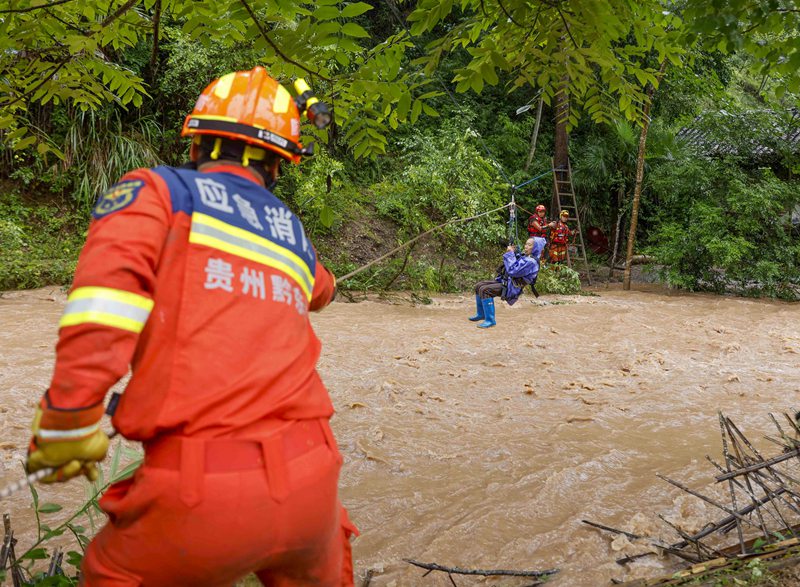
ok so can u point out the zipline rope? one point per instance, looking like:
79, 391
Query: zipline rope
512, 205
512, 227
16, 486
524, 183
416, 238
526, 211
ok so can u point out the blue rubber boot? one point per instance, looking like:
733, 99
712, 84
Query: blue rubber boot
479, 312
488, 312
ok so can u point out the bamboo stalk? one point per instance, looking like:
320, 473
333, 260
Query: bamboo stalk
726, 455
610, 529
481, 572
769, 492
708, 500
729, 425
757, 466
698, 545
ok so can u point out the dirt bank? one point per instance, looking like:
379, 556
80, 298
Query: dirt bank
486, 448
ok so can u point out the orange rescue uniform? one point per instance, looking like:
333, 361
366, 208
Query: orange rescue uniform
202, 283
559, 240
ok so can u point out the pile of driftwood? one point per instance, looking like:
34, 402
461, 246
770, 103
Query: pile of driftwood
10, 565
762, 509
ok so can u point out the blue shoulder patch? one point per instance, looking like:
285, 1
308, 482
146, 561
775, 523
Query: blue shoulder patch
117, 197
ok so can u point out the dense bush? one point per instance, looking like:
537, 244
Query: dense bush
39, 243
443, 176
712, 224
721, 228
558, 279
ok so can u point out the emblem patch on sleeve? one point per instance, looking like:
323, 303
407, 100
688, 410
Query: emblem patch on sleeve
117, 197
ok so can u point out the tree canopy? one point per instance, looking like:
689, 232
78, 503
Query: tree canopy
603, 54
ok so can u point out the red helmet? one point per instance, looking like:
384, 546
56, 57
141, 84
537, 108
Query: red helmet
540, 208
252, 107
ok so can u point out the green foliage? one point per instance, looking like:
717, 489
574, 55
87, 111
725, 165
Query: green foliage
319, 192
604, 167
87, 55
700, 86
601, 53
122, 463
443, 176
58, 55
99, 150
722, 229
768, 30
558, 280
39, 243
399, 155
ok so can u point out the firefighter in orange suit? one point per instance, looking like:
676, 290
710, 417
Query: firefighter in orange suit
559, 238
200, 280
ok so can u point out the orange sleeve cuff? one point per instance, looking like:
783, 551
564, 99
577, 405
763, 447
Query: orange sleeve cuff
324, 288
56, 420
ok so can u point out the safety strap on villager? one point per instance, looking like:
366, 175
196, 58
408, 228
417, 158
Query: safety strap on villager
202, 123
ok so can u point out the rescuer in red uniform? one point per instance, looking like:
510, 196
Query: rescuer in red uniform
559, 238
201, 281
537, 224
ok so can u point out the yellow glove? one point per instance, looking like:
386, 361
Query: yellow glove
72, 457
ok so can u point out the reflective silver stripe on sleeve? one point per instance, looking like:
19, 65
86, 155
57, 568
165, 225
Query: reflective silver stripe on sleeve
68, 434
107, 306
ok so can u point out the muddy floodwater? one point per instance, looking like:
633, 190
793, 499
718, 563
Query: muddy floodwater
486, 449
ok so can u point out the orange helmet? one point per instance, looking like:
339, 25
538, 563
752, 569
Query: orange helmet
252, 107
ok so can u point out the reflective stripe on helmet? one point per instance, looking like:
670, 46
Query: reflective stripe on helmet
281, 102
223, 87
217, 124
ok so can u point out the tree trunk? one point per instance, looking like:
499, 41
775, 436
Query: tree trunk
561, 146
561, 155
637, 190
535, 134
152, 67
616, 245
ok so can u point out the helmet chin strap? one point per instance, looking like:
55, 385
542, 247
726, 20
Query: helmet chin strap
265, 173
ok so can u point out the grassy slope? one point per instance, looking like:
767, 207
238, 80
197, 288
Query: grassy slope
39, 239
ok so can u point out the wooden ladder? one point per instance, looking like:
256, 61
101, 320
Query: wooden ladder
564, 195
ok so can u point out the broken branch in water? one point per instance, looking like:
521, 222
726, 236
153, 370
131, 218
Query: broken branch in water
610, 529
485, 573
707, 499
767, 483
768, 463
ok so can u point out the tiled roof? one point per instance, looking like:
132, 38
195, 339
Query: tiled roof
785, 128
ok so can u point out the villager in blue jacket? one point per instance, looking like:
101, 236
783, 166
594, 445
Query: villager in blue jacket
517, 271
